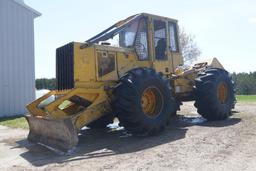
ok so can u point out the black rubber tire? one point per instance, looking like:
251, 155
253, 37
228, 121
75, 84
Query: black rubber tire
206, 100
102, 122
127, 102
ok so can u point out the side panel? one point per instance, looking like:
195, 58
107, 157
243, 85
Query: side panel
125, 60
84, 64
128, 61
106, 65
177, 60
163, 67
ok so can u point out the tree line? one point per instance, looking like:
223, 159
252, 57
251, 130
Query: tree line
45, 83
245, 83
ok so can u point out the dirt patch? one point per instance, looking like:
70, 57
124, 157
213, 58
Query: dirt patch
189, 143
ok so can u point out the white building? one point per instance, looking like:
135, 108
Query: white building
17, 66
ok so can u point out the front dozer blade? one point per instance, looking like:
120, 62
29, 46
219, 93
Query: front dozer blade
60, 134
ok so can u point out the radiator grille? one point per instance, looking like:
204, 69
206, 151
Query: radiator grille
65, 67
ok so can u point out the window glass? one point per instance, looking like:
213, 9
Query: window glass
123, 37
141, 41
173, 37
114, 41
160, 39
127, 36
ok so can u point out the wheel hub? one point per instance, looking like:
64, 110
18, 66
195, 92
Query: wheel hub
151, 101
222, 92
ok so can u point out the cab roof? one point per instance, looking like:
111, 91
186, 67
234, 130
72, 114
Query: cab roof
146, 15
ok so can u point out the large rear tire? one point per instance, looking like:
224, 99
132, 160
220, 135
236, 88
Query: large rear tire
143, 102
214, 94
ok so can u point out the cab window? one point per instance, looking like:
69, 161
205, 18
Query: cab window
141, 41
173, 37
160, 40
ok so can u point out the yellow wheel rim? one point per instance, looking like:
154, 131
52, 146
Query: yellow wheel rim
222, 92
151, 101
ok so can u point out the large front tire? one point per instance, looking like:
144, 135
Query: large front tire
214, 94
143, 102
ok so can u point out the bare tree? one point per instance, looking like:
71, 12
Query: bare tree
190, 50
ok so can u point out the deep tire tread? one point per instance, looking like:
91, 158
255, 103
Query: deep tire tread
206, 100
126, 105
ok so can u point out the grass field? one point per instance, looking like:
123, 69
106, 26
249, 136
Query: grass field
246, 98
20, 122
14, 122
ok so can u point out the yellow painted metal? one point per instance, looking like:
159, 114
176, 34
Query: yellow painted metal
111, 76
97, 89
33, 107
59, 126
99, 108
214, 63
177, 60
185, 81
84, 64
128, 61
183, 85
151, 101
53, 110
173, 59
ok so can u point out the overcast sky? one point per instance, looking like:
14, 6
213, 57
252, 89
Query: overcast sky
222, 29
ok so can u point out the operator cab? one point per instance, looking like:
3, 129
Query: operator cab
151, 37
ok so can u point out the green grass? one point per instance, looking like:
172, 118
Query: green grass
246, 98
14, 122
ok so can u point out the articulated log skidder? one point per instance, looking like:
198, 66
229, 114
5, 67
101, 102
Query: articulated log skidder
133, 71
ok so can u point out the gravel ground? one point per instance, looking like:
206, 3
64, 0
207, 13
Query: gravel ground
189, 143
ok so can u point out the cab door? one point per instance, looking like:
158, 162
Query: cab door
161, 62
